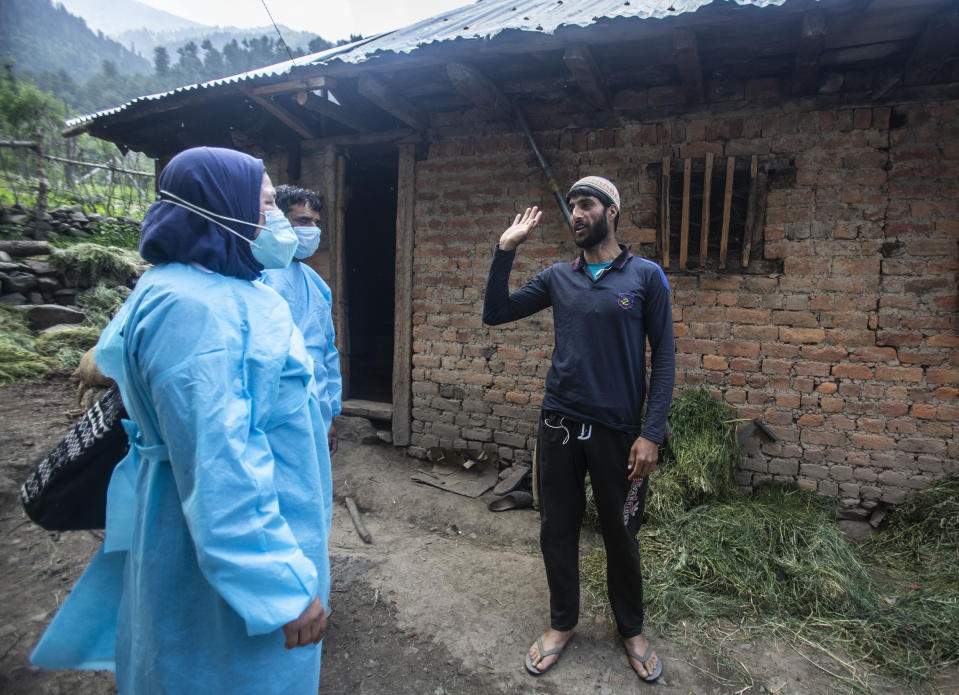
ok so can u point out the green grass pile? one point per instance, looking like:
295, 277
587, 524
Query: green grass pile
87, 264
776, 563
18, 354
99, 304
65, 347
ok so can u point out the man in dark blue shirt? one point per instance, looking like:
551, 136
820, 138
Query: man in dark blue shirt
606, 305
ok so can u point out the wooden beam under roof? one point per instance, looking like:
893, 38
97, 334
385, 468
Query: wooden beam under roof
282, 115
317, 82
395, 104
476, 87
811, 41
351, 119
579, 59
935, 46
686, 50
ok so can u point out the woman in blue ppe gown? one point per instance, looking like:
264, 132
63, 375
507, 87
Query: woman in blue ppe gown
215, 558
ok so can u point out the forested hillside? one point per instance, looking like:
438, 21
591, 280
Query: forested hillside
40, 37
89, 72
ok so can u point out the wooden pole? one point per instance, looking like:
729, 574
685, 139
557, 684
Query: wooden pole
704, 227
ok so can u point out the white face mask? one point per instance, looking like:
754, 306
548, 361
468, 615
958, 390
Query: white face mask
277, 244
309, 238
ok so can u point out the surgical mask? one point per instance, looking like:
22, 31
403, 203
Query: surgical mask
271, 246
309, 238
277, 243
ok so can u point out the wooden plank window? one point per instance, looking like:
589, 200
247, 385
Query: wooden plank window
699, 230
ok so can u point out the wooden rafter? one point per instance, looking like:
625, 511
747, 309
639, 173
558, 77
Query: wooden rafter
811, 41
476, 87
324, 107
579, 59
686, 51
288, 86
395, 104
281, 114
936, 44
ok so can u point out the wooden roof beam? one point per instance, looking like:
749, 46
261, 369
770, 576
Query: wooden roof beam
324, 107
394, 104
318, 82
936, 45
476, 87
686, 51
281, 114
580, 62
811, 41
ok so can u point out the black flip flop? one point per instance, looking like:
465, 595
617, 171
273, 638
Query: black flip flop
517, 499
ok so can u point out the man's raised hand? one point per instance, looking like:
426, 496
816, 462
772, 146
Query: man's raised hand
520, 231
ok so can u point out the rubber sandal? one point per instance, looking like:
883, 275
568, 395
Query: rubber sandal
533, 671
657, 672
517, 499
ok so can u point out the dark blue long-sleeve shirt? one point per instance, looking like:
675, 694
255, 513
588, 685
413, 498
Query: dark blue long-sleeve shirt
601, 326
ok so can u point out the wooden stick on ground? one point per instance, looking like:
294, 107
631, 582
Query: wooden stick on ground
357, 521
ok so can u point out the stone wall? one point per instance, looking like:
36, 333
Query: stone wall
845, 343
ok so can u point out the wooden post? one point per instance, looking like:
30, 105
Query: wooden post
403, 296
684, 225
704, 227
664, 213
727, 209
40, 209
333, 192
751, 206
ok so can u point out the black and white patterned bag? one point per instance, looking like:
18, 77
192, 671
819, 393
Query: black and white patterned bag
68, 489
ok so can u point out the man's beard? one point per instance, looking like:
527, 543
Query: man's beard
594, 235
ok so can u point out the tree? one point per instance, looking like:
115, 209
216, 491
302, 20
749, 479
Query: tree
317, 44
212, 61
161, 61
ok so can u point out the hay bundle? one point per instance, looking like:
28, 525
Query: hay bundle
18, 353
99, 304
86, 264
66, 347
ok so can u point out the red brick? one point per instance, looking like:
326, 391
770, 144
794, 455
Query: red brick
802, 335
923, 411
748, 316
912, 374
949, 413
715, 363
873, 442
851, 371
806, 368
827, 388
777, 366
942, 376
945, 340
832, 405
787, 400
810, 420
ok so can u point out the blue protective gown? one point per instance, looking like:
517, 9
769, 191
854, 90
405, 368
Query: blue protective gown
311, 304
217, 520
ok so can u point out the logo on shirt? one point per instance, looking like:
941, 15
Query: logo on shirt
626, 300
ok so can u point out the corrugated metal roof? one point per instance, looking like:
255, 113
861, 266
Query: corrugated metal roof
480, 20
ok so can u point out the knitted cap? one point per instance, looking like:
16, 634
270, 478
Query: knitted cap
604, 187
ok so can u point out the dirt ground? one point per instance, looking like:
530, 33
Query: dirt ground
445, 601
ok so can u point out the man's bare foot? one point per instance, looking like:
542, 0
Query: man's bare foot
551, 639
638, 645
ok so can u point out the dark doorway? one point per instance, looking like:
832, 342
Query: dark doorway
370, 240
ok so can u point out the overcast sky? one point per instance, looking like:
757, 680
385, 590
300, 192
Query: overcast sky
331, 19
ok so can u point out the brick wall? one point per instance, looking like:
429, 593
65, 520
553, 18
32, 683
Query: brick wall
847, 348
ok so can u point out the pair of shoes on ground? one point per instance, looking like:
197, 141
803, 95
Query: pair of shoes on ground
531, 667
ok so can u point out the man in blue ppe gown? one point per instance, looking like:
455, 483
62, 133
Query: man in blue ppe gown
215, 561
310, 299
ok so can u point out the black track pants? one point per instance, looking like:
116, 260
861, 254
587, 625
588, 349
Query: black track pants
566, 450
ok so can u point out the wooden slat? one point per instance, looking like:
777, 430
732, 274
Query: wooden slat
351, 119
727, 210
811, 40
664, 213
281, 114
318, 82
580, 62
704, 227
403, 296
752, 209
684, 226
935, 46
392, 102
685, 47
476, 87
334, 164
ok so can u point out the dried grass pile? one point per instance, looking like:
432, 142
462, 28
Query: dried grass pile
18, 354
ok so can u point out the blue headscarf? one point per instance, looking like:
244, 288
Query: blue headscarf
223, 181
